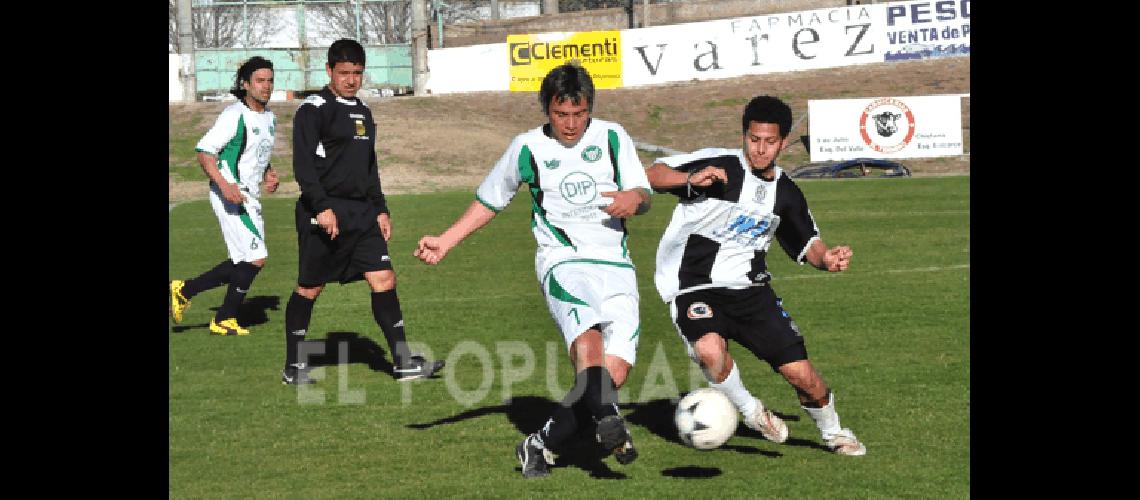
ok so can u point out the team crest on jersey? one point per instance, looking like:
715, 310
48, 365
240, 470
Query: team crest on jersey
256, 131
359, 127
761, 193
272, 129
699, 310
263, 150
592, 154
551, 164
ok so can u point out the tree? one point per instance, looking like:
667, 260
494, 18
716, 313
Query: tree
380, 22
458, 11
220, 26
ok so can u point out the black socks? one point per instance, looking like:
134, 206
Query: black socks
386, 311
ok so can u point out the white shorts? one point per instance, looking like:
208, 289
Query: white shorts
580, 295
242, 227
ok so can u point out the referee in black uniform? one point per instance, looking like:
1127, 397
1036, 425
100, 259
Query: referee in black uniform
343, 223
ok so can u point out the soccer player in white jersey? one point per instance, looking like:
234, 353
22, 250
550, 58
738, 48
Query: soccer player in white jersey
711, 269
585, 179
234, 154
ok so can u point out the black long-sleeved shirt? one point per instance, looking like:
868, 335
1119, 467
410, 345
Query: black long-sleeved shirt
334, 151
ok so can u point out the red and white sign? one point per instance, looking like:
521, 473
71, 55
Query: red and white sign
885, 127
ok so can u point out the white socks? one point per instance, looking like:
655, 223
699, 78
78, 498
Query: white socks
826, 418
733, 387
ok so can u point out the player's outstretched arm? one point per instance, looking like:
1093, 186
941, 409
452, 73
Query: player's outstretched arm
834, 259
662, 178
432, 249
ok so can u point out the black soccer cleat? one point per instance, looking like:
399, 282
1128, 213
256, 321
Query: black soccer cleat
615, 437
531, 458
417, 367
296, 374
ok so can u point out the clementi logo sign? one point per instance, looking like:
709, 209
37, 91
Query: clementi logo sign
532, 56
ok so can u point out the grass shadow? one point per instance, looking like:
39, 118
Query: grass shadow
182, 328
528, 414
253, 309
252, 312
692, 472
340, 348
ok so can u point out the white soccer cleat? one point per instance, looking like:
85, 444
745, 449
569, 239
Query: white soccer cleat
767, 423
845, 443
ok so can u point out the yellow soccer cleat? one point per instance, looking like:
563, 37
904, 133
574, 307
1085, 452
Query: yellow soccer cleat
227, 327
178, 302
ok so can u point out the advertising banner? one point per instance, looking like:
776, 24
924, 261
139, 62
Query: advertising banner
924, 30
531, 57
821, 38
885, 127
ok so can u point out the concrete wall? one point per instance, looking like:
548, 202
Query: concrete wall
461, 35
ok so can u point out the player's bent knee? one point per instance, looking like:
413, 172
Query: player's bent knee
309, 293
711, 349
618, 369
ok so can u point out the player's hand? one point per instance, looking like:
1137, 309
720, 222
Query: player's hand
385, 222
624, 205
327, 221
705, 177
837, 258
231, 192
271, 181
431, 250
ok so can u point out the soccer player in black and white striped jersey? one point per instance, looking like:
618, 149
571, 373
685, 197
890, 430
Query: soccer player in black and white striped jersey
712, 273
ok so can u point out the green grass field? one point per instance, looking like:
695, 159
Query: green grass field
891, 336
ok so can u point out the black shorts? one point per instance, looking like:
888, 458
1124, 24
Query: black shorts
359, 246
752, 317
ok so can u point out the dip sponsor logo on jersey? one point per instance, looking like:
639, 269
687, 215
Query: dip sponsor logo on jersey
578, 188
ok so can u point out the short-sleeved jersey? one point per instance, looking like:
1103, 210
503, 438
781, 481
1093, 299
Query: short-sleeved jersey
565, 185
719, 236
242, 139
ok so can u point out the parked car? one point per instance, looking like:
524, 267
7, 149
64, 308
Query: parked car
859, 167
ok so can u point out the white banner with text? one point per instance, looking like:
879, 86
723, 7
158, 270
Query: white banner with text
725, 48
885, 127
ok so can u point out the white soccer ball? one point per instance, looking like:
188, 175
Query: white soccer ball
705, 418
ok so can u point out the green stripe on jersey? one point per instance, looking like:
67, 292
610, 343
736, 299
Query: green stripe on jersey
615, 150
231, 153
529, 175
615, 153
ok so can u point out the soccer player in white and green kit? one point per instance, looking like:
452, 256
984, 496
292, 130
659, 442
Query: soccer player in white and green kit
234, 154
585, 179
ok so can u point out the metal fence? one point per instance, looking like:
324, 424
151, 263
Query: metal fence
294, 35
